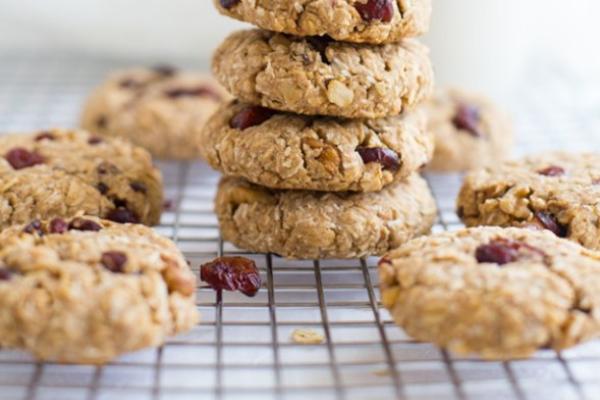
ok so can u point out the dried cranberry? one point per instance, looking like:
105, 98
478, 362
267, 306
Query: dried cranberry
20, 158
5, 274
320, 44
467, 118
227, 4
250, 116
33, 227
497, 251
139, 187
164, 70
232, 273
102, 122
549, 221
94, 140
167, 204
553, 170
129, 83
386, 157
200, 91
58, 225
382, 10
503, 251
114, 261
82, 224
122, 215
102, 187
44, 136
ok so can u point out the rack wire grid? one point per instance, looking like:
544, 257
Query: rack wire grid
242, 348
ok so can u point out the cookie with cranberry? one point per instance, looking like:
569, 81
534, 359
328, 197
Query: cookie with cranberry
554, 191
311, 225
470, 131
317, 76
61, 173
85, 290
499, 293
159, 109
291, 151
360, 21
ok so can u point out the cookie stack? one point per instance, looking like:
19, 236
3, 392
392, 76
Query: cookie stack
322, 146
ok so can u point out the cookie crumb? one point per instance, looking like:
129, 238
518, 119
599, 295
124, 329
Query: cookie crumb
307, 336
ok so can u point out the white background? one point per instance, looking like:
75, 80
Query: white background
482, 44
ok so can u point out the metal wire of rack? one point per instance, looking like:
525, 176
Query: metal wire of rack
242, 348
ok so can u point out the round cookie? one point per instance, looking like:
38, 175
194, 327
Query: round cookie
290, 151
361, 21
86, 290
61, 173
470, 131
159, 109
316, 76
500, 293
555, 191
311, 225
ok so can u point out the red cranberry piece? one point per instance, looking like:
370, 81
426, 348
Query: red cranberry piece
553, 170
44, 136
250, 116
386, 157
101, 122
34, 226
123, 216
227, 4
164, 70
129, 83
114, 261
139, 187
5, 274
58, 225
467, 118
320, 44
200, 91
82, 224
102, 187
168, 204
232, 273
382, 10
549, 221
20, 158
497, 251
94, 140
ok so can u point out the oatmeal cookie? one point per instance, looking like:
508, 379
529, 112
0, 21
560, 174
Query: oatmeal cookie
316, 76
159, 109
310, 225
290, 151
470, 131
499, 293
60, 173
85, 290
361, 21
555, 191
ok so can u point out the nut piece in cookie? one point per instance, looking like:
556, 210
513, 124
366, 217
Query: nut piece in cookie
360, 21
160, 109
499, 293
470, 131
310, 225
288, 151
318, 76
555, 191
62, 173
85, 290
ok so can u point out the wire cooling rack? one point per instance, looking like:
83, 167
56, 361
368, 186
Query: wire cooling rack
242, 349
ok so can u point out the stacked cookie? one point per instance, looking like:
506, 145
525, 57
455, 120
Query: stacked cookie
322, 146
